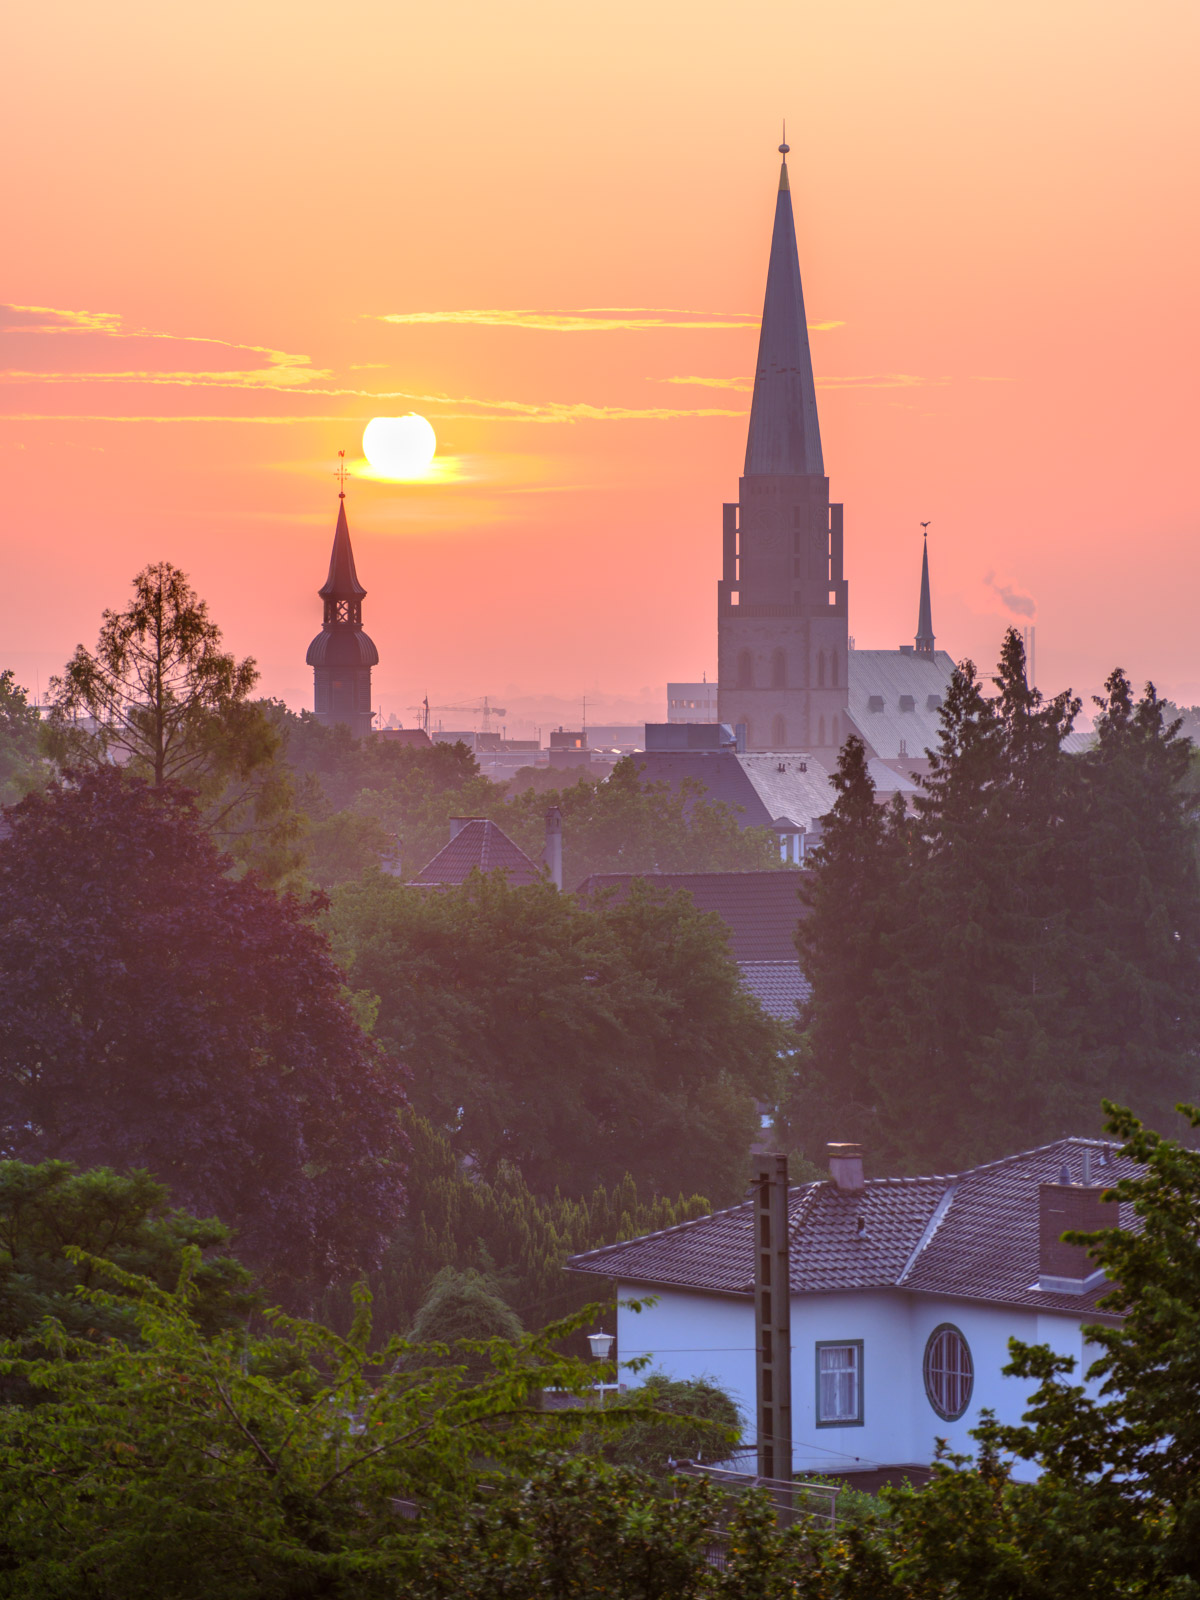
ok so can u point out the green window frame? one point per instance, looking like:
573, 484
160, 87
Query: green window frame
948, 1369
839, 1383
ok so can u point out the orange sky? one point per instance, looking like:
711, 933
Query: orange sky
218, 206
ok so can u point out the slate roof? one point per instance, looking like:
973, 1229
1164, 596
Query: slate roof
479, 843
801, 792
778, 986
884, 676
784, 435
760, 909
972, 1235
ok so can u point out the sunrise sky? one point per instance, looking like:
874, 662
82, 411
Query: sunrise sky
237, 232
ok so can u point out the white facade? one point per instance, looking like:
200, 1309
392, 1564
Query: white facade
692, 1334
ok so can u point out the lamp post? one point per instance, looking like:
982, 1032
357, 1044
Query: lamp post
601, 1344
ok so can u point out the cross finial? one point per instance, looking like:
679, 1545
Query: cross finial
785, 146
341, 474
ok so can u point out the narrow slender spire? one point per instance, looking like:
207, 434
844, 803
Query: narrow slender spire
342, 582
924, 640
785, 436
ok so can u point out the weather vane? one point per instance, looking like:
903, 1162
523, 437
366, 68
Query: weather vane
341, 474
925, 528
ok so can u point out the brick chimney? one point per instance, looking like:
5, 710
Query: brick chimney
846, 1166
1064, 1208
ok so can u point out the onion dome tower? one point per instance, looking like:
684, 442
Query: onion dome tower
342, 655
782, 640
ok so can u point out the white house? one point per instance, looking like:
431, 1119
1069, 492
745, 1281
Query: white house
904, 1295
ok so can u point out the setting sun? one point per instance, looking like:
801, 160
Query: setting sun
399, 447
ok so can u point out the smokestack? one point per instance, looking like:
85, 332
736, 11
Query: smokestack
552, 854
846, 1166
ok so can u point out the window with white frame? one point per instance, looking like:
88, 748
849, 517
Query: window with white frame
839, 1383
949, 1372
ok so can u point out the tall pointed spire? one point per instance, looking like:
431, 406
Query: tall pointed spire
785, 436
342, 582
924, 640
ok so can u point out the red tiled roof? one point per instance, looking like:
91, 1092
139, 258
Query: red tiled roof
973, 1235
760, 909
478, 844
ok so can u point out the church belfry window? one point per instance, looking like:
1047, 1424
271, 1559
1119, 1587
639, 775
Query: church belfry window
821, 673
778, 670
778, 732
745, 670
833, 668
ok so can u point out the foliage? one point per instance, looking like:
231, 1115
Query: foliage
156, 1013
625, 824
517, 1239
184, 1468
20, 766
48, 1209
984, 970
698, 1422
576, 1041
461, 1308
160, 696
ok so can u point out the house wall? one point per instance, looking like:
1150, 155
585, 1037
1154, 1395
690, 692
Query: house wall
690, 1335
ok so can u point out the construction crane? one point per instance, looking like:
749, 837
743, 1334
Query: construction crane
486, 711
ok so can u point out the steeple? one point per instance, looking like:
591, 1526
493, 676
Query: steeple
785, 436
924, 641
342, 655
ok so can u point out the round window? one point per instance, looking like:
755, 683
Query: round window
949, 1374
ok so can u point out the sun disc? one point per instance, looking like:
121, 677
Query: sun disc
399, 447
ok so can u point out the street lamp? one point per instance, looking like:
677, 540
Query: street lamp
601, 1344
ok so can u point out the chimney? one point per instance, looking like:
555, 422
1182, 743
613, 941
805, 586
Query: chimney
1062, 1208
457, 824
846, 1166
552, 854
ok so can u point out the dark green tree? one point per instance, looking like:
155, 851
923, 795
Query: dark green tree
576, 1042
698, 1421
21, 769
49, 1209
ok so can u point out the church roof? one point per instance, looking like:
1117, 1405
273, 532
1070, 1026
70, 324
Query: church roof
895, 698
784, 435
479, 845
342, 582
763, 787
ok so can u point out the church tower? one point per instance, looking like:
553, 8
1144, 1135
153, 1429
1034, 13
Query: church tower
342, 655
925, 636
782, 640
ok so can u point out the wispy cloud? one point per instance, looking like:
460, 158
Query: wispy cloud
1015, 601
280, 369
876, 380
592, 319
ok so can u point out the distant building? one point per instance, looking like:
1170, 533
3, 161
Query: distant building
406, 738
342, 655
569, 748
690, 736
477, 845
692, 702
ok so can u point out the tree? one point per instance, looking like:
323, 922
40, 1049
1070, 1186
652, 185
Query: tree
187, 1467
1027, 941
20, 767
455, 1218
576, 1042
50, 1209
463, 1310
156, 1013
698, 1421
160, 696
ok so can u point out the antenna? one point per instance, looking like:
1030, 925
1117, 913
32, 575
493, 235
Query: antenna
341, 474
785, 146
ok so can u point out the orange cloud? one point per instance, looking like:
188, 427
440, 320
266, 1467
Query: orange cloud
594, 319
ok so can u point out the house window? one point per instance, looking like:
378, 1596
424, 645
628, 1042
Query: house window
839, 1383
949, 1373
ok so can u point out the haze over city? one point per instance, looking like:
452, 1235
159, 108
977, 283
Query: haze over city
271, 226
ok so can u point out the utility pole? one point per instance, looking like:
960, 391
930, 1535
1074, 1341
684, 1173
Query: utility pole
773, 1317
